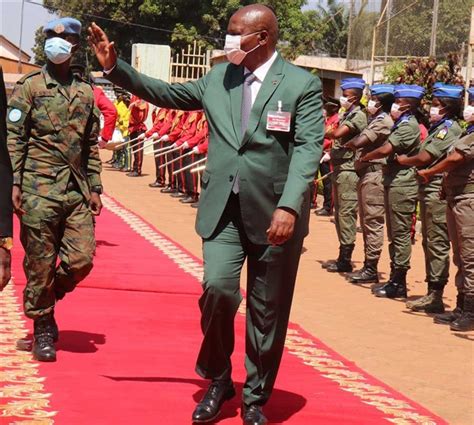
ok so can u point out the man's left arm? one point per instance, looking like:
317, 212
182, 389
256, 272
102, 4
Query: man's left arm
309, 134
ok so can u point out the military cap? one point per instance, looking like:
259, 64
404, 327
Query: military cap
409, 90
352, 83
377, 89
64, 25
447, 90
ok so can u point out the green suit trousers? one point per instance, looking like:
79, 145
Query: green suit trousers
270, 283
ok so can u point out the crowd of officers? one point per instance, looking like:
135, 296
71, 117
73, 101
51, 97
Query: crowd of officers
177, 139
384, 169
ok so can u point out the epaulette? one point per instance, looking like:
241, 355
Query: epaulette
29, 75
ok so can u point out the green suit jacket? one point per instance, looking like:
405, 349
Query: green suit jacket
275, 168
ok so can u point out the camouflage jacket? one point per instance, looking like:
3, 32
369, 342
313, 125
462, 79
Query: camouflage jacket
52, 136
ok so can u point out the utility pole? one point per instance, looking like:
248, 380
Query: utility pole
470, 47
387, 32
349, 35
21, 38
434, 26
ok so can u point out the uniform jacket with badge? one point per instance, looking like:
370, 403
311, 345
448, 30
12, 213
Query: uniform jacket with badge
52, 135
275, 168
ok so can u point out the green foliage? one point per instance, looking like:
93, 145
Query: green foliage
425, 72
335, 25
181, 22
411, 30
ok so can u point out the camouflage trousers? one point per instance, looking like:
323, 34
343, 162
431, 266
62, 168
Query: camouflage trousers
344, 185
52, 229
400, 204
371, 212
460, 217
436, 245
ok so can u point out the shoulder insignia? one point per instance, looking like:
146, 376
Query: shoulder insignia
442, 133
27, 76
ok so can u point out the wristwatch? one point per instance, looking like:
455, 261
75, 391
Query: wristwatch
97, 189
6, 243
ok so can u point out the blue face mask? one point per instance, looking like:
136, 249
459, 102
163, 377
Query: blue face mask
57, 50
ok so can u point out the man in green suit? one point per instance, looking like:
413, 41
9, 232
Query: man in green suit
266, 133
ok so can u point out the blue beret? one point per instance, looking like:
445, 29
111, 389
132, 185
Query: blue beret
471, 93
377, 89
447, 90
63, 26
409, 90
352, 83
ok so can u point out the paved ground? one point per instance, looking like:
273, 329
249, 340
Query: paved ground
426, 362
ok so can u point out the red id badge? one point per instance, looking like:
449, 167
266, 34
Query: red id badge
279, 120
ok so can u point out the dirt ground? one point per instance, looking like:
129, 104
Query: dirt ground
426, 362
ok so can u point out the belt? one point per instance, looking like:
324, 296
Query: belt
460, 190
370, 169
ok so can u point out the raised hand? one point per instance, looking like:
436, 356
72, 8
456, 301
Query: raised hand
103, 48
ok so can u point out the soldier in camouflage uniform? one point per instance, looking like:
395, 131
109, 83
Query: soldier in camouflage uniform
458, 188
344, 177
444, 130
400, 186
52, 139
370, 188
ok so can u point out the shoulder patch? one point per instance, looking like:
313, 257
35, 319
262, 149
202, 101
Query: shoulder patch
14, 115
442, 133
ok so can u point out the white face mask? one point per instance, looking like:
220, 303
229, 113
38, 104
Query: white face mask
395, 111
372, 107
345, 103
468, 114
435, 114
57, 50
233, 50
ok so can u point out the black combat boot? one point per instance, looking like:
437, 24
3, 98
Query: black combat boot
465, 322
396, 288
432, 302
43, 345
343, 263
367, 274
374, 287
450, 316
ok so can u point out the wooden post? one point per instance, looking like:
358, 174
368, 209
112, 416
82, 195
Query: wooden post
470, 47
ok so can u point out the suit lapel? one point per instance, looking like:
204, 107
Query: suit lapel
235, 92
270, 84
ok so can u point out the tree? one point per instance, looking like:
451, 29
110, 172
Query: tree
180, 22
411, 29
335, 20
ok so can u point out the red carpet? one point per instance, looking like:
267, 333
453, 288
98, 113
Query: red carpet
128, 342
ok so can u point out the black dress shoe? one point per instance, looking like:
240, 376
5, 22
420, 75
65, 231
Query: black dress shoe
156, 184
323, 213
210, 405
178, 195
134, 174
253, 415
168, 190
188, 200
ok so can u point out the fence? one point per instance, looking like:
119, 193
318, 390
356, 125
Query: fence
190, 64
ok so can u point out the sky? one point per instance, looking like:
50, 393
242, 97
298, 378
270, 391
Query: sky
34, 17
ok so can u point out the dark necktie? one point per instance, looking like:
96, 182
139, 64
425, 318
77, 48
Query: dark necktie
249, 78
